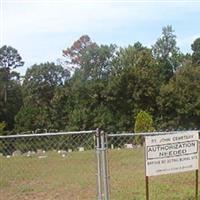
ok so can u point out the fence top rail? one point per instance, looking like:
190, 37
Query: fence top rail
47, 134
149, 133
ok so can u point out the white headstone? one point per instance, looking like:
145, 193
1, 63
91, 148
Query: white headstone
16, 153
39, 151
128, 146
41, 157
81, 148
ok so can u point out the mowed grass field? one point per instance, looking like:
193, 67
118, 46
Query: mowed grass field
74, 178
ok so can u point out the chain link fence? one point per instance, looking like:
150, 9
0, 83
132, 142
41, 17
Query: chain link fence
127, 172
83, 165
48, 166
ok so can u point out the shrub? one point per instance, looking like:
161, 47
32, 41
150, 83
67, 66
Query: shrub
143, 123
2, 126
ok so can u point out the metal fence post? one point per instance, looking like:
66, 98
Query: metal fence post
104, 165
99, 163
107, 165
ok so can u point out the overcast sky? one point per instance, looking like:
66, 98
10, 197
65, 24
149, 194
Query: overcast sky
41, 29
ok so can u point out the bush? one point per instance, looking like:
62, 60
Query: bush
2, 126
143, 123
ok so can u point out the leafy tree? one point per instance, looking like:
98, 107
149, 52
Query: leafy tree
179, 101
89, 87
41, 81
134, 55
61, 106
9, 60
74, 53
166, 44
104, 118
167, 53
97, 61
26, 118
14, 102
39, 89
10, 88
196, 51
79, 119
137, 85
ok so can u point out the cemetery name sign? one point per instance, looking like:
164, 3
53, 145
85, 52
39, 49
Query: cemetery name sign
171, 153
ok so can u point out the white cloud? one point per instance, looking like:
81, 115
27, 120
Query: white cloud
32, 27
41, 18
41, 29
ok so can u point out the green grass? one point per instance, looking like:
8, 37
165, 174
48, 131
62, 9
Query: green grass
74, 178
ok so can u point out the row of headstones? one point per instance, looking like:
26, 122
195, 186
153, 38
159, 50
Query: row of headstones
63, 152
126, 146
41, 153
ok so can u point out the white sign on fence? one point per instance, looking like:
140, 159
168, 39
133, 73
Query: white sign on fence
171, 153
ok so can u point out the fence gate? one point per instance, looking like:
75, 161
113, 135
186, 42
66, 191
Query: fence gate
127, 172
53, 166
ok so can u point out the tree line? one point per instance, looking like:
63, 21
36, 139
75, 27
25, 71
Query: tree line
103, 86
